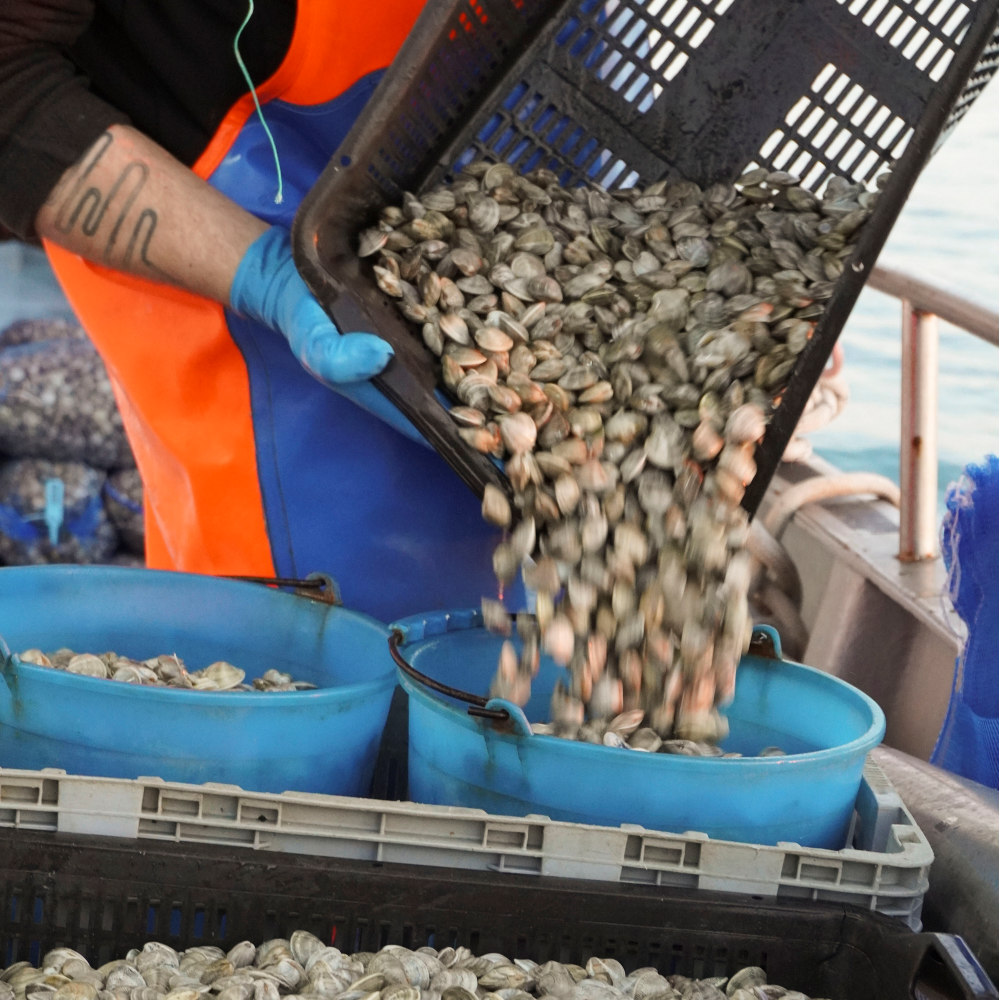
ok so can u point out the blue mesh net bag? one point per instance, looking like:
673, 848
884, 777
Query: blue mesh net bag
52, 512
968, 743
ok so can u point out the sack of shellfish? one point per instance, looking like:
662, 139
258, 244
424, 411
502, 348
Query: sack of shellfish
123, 501
53, 512
56, 403
31, 331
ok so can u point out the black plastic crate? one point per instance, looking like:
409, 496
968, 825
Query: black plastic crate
626, 92
103, 896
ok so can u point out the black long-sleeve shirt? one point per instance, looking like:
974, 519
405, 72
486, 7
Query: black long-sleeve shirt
71, 68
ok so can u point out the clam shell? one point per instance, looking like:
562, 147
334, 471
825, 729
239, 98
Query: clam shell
628, 347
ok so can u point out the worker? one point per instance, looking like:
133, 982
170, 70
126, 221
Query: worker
159, 151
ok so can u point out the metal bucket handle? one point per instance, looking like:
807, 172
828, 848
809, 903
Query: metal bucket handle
477, 703
317, 586
764, 642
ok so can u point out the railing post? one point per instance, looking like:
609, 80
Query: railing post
918, 477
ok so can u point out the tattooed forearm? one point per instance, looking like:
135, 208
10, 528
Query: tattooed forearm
81, 200
86, 207
129, 205
142, 233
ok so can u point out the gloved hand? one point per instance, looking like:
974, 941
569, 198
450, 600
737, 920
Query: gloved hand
267, 287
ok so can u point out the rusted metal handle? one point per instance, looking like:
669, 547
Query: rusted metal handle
764, 642
316, 586
477, 703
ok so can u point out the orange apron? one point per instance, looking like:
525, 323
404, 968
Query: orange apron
249, 465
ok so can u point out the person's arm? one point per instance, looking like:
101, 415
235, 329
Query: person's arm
73, 172
130, 205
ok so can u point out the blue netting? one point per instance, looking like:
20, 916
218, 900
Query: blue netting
968, 743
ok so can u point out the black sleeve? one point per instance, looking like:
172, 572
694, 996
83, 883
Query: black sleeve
71, 68
48, 115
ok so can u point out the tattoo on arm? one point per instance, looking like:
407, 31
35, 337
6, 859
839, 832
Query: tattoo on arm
85, 206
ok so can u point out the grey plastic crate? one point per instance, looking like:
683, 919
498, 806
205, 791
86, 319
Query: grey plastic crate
885, 868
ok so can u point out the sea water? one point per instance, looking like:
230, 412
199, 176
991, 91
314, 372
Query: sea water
946, 235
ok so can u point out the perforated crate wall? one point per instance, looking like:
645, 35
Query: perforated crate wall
625, 92
102, 897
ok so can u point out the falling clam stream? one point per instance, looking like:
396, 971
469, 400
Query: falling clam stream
621, 353
301, 966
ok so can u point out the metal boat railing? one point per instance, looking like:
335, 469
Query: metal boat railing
922, 306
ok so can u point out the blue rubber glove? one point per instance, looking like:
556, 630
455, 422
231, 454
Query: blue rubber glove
268, 288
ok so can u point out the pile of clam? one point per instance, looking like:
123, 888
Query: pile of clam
622, 353
303, 967
56, 400
166, 670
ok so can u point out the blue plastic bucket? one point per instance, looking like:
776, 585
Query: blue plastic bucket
825, 726
322, 740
